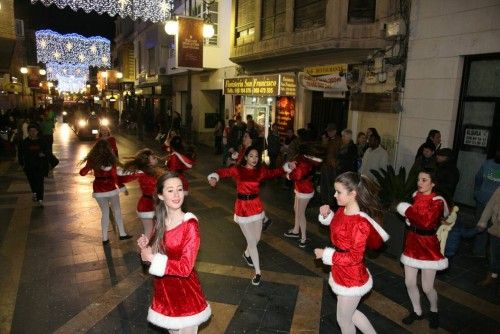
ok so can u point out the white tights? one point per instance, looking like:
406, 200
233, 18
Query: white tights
252, 232
428, 276
348, 317
300, 206
104, 203
185, 330
147, 223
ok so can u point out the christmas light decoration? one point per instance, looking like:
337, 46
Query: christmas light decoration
70, 83
55, 70
146, 10
72, 49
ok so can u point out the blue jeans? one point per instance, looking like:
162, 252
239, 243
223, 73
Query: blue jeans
494, 254
455, 237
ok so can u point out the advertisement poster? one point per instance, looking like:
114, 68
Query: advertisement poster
285, 113
189, 51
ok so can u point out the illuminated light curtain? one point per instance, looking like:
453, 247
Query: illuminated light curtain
146, 10
72, 49
70, 84
54, 70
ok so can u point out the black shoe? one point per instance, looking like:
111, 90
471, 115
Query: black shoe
433, 320
248, 259
266, 224
290, 234
125, 237
105, 242
256, 279
411, 318
302, 243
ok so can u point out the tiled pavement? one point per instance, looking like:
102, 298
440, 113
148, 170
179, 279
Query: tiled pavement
57, 277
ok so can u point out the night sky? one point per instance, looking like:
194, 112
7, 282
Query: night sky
37, 17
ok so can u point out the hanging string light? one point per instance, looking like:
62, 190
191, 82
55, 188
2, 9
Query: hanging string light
72, 49
71, 83
146, 10
55, 70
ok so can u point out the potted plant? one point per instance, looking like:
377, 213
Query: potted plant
394, 188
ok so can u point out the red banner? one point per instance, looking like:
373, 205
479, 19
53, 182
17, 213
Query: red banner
190, 43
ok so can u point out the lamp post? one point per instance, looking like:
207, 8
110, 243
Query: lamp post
24, 72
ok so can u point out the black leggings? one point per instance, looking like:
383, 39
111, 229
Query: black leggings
35, 179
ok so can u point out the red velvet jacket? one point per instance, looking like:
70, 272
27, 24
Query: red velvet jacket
106, 181
147, 184
179, 163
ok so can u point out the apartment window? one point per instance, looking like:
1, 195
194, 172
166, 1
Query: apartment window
361, 11
210, 13
272, 18
245, 22
151, 61
309, 14
19, 28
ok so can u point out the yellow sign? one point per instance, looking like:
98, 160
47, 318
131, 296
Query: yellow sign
263, 85
288, 85
326, 69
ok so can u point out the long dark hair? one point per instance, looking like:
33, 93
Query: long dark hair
431, 135
243, 161
141, 162
100, 155
160, 215
366, 193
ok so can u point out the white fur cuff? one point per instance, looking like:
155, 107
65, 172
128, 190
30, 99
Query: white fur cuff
158, 265
326, 220
327, 257
213, 175
286, 168
402, 207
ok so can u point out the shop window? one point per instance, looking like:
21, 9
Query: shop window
309, 14
361, 11
272, 18
210, 13
245, 22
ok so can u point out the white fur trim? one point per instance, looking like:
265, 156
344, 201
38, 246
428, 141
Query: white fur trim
189, 215
106, 168
158, 265
315, 159
249, 219
383, 234
446, 211
213, 175
424, 264
414, 194
326, 220
111, 193
327, 257
121, 172
286, 168
304, 195
351, 290
181, 158
145, 214
174, 323
402, 207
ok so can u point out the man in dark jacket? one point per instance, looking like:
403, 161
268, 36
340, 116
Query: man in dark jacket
447, 174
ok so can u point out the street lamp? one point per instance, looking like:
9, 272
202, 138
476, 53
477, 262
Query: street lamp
42, 71
24, 70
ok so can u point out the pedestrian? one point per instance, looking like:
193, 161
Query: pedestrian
105, 133
143, 168
248, 209
225, 141
47, 129
302, 176
427, 160
361, 144
331, 142
447, 174
434, 138
218, 133
347, 155
178, 302
421, 247
33, 157
353, 227
165, 147
179, 161
273, 145
375, 157
102, 162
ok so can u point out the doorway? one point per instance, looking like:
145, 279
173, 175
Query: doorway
328, 110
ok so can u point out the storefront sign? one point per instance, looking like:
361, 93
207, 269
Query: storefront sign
324, 83
264, 85
285, 113
326, 69
34, 77
477, 137
189, 50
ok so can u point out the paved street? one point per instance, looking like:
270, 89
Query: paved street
57, 277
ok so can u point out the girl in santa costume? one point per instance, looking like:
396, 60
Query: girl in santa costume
165, 147
102, 162
353, 227
304, 191
105, 133
248, 210
421, 248
179, 161
143, 168
178, 304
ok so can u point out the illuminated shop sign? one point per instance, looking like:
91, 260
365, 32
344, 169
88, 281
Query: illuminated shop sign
264, 85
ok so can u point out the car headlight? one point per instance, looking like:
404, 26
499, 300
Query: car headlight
65, 113
104, 121
82, 123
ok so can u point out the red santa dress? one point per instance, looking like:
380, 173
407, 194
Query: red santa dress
179, 163
302, 176
106, 181
248, 206
178, 300
147, 183
112, 143
421, 247
350, 235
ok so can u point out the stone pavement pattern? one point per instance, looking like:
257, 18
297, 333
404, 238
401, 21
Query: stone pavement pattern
57, 277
